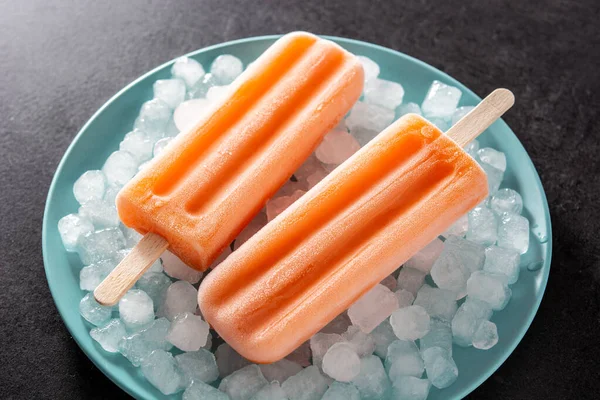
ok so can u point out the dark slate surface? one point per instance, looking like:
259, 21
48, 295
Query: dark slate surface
60, 61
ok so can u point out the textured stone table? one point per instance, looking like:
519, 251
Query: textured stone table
60, 61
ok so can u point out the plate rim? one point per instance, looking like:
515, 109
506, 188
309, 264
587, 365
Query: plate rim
340, 40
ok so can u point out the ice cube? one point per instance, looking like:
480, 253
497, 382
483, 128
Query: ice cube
362, 343
209, 338
132, 237
485, 336
384, 93
341, 362
138, 144
424, 259
177, 269
188, 70
315, 178
91, 276
109, 335
102, 214
492, 157
439, 303
136, 310
410, 323
161, 145
383, 335
153, 118
503, 261
155, 285
483, 226
441, 100
458, 228
320, 343
460, 113
281, 370
89, 186
307, 384
369, 116
337, 146
217, 93
277, 205
506, 200
188, 332
171, 129
372, 382
93, 312
161, 370
408, 108
243, 383
389, 282
467, 319
302, 354
72, 227
410, 279
120, 167
439, 335
341, 391
170, 91
338, 325
272, 391
228, 360
405, 298
224, 254
441, 123
472, 147
410, 388
450, 273
188, 113
225, 68
308, 168
254, 226
403, 359
110, 194
181, 297
200, 88
372, 308
441, 368
494, 177
513, 232
489, 287
472, 254
370, 68
139, 345
198, 366
202, 391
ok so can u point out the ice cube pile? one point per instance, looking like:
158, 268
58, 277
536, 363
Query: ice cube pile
394, 343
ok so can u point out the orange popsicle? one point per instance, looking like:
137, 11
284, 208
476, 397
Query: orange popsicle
340, 239
211, 180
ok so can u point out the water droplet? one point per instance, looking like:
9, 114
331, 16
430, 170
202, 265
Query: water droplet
535, 265
542, 237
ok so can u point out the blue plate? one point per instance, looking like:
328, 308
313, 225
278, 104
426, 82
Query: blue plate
102, 133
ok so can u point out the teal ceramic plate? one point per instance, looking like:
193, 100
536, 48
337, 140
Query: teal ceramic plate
102, 133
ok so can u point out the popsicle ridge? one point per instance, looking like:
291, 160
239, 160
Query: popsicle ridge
289, 271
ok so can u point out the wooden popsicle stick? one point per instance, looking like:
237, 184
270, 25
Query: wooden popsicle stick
481, 117
130, 269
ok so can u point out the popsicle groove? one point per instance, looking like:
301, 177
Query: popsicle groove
232, 111
261, 140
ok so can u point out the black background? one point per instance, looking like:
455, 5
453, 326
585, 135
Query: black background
60, 61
